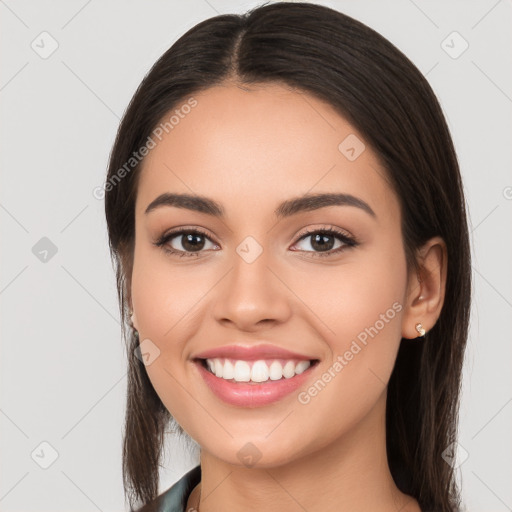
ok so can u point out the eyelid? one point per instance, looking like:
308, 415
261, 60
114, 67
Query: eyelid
325, 229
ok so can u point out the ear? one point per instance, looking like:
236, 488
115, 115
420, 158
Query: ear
134, 320
126, 260
133, 317
426, 288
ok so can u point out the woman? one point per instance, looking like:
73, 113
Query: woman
286, 216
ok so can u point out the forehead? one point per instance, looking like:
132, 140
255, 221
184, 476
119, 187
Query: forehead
251, 147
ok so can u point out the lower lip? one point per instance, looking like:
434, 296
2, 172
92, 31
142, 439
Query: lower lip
244, 394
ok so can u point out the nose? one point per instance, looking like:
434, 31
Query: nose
252, 295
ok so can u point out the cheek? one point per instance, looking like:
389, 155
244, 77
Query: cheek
360, 309
169, 299
166, 300
165, 295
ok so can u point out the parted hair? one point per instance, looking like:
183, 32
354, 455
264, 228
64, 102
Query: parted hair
373, 85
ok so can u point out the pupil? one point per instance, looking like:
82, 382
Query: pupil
319, 241
193, 245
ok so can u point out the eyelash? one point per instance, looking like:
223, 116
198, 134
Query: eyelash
347, 241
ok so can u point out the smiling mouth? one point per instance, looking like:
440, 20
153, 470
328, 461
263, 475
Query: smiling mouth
256, 372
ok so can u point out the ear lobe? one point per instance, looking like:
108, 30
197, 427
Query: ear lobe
133, 319
426, 288
126, 261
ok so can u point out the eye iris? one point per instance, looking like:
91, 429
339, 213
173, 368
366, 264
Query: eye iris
190, 243
319, 242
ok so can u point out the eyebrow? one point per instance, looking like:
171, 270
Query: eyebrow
287, 208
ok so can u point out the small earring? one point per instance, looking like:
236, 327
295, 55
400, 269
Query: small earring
420, 329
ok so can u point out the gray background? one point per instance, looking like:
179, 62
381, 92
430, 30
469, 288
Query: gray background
63, 374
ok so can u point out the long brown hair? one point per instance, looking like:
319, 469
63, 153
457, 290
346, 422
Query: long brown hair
376, 88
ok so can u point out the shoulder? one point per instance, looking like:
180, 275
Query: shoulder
175, 498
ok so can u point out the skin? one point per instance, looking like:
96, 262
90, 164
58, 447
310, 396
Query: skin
249, 149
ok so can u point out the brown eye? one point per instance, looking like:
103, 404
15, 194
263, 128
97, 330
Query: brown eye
184, 242
192, 241
322, 241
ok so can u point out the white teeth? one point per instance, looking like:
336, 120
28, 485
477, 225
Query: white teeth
241, 371
289, 370
228, 372
259, 371
275, 370
301, 367
218, 367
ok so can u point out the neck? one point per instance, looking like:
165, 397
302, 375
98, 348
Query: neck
351, 474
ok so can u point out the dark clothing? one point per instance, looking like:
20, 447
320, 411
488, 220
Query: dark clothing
175, 498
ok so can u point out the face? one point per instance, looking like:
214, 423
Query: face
264, 275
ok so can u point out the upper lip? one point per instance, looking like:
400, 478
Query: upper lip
252, 353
